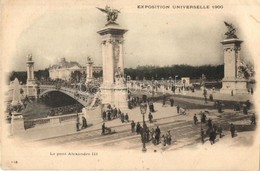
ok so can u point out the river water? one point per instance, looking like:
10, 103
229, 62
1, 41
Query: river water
41, 107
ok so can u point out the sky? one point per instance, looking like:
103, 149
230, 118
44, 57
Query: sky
154, 37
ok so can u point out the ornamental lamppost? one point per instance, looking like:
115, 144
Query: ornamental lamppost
128, 78
175, 83
171, 84
143, 107
152, 87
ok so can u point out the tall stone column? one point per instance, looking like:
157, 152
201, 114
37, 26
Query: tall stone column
113, 89
30, 70
31, 86
233, 80
89, 70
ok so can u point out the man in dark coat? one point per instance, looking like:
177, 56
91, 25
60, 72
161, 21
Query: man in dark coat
133, 126
84, 122
212, 137
219, 130
138, 127
203, 118
178, 109
157, 135
195, 119
202, 136
210, 123
122, 117
172, 102
115, 112
103, 128
104, 115
232, 130
150, 116
126, 117
77, 123
109, 115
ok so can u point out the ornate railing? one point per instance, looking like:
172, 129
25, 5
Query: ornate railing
50, 120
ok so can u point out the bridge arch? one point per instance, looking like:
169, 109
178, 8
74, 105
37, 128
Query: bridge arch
82, 100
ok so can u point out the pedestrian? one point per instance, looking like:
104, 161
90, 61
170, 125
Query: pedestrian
147, 134
164, 101
152, 135
133, 126
252, 91
219, 131
169, 137
77, 123
219, 107
119, 112
203, 118
138, 127
210, 123
164, 140
232, 93
157, 135
103, 128
150, 116
172, 102
253, 119
205, 96
212, 137
152, 106
122, 117
195, 119
116, 112
245, 110
178, 109
109, 115
232, 130
211, 97
202, 136
84, 122
126, 117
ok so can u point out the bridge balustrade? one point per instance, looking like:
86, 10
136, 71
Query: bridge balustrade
49, 121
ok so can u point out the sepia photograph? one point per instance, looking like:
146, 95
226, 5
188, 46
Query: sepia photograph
130, 85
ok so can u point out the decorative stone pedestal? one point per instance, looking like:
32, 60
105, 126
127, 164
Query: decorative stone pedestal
17, 123
31, 91
233, 79
237, 86
115, 96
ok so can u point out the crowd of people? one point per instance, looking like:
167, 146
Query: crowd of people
64, 110
154, 134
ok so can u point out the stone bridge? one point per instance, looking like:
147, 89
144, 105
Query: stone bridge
83, 98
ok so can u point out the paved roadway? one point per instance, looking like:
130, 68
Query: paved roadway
183, 131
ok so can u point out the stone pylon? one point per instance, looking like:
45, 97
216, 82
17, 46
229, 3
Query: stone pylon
233, 81
31, 84
89, 70
113, 89
30, 70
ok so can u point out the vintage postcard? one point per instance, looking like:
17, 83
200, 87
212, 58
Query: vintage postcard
130, 85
